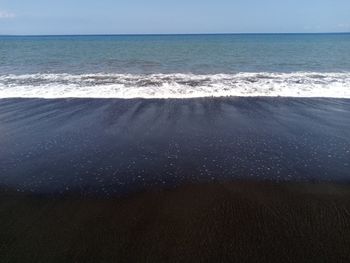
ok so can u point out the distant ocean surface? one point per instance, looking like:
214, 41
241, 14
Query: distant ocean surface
175, 66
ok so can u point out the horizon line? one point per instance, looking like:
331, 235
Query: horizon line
172, 34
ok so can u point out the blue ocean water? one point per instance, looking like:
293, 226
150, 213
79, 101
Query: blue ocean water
307, 65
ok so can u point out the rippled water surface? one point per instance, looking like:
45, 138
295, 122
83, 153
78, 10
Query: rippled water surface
176, 66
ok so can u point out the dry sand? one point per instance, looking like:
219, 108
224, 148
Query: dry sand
231, 222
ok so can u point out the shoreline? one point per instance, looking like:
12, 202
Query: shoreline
228, 97
108, 85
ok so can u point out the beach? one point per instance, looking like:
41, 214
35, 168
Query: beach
220, 222
213, 179
175, 148
114, 147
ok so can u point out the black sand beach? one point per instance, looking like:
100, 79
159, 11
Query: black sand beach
231, 222
115, 147
208, 180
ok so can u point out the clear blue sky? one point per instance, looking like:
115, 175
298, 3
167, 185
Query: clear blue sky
172, 16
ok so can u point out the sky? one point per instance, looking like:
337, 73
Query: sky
57, 17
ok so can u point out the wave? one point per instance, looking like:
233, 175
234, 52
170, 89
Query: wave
296, 84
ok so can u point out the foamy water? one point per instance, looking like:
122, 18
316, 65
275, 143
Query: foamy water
125, 86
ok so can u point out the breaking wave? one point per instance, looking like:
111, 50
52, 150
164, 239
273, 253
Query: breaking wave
297, 84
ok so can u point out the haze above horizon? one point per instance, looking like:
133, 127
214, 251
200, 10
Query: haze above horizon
106, 17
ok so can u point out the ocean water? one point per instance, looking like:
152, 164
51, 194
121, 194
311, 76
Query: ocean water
175, 66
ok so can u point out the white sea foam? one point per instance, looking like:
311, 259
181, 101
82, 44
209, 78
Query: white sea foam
297, 84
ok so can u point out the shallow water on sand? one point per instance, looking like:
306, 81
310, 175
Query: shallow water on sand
110, 146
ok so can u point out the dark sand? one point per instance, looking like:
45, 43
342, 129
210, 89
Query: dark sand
113, 147
232, 222
159, 180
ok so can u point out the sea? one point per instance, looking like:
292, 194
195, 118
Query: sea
175, 66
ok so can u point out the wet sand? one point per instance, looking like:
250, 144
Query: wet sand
115, 147
231, 222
